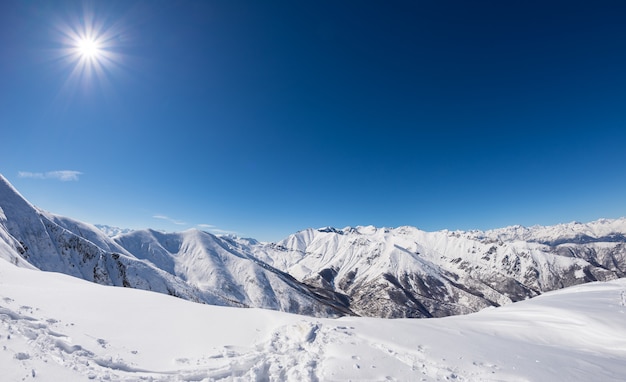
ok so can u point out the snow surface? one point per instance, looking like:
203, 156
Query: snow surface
55, 327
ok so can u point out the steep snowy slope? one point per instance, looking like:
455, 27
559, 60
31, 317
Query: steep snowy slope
52, 243
58, 328
193, 265
214, 265
405, 272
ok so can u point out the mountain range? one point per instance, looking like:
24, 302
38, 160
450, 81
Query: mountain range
326, 272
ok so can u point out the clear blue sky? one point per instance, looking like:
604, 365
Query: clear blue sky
267, 117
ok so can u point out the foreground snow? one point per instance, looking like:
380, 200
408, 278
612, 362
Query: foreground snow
55, 327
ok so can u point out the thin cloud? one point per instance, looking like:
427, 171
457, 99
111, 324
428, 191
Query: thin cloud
64, 175
213, 229
222, 231
169, 219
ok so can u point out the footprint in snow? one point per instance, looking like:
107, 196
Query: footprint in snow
103, 343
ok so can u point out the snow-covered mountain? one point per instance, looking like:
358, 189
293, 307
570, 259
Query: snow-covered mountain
406, 272
213, 265
35, 238
193, 265
602, 230
111, 231
381, 272
59, 328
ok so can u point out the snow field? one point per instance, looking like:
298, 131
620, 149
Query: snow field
55, 327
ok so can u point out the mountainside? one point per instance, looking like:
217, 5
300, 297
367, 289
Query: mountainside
405, 272
35, 238
381, 272
212, 265
192, 265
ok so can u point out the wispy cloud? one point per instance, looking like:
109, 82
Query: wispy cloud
169, 219
205, 227
213, 229
223, 231
64, 175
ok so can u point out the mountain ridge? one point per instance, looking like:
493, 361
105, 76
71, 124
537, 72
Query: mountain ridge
35, 238
362, 270
438, 269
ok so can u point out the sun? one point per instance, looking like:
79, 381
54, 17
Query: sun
88, 48
90, 53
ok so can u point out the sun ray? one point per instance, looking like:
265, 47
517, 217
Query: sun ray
88, 51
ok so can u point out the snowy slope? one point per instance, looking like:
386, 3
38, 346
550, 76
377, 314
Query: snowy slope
211, 264
406, 272
35, 238
54, 327
193, 265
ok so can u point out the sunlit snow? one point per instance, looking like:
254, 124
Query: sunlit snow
55, 327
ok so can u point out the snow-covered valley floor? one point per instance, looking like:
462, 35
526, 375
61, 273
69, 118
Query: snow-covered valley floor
58, 328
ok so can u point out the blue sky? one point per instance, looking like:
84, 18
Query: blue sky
265, 118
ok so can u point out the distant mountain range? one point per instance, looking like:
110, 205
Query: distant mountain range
112, 231
327, 272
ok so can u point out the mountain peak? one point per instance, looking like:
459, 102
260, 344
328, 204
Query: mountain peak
11, 200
